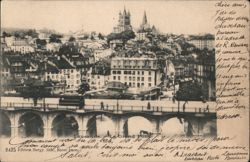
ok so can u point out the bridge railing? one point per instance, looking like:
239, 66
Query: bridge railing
123, 108
37, 106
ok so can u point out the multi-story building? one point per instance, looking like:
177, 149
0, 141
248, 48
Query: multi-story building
202, 42
135, 72
22, 46
102, 53
64, 73
96, 80
123, 22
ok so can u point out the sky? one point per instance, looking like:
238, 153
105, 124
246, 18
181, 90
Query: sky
178, 17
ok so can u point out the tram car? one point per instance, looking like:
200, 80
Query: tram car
72, 100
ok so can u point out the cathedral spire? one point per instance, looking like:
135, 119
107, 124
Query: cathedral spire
144, 20
124, 11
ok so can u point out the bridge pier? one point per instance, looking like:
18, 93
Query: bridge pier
14, 119
82, 124
14, 131
157, 124
119, 125
47, 132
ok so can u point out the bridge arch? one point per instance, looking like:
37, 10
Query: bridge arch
209, 128
30, 124
138, 125
5, 125
101, 125
176, 124
65, 125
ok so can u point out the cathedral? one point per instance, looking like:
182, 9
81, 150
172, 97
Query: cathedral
124, 22
145, 29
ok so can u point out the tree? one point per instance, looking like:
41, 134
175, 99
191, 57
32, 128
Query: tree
84, 87
124, 36
191, 91
100, 36
5, 34
55, 38
32, 33
41, 43
68, 49
72, 39
36, 89
127, 35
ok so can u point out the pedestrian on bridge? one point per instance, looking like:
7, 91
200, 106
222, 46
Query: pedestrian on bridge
184, 106
102, 106
149, 106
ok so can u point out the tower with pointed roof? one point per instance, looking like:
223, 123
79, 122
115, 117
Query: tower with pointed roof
145, 29
144, 25
124, 22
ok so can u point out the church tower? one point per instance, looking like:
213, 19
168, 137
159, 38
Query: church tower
124, 22
144, 24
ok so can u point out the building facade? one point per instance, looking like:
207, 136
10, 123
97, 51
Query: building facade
136, 72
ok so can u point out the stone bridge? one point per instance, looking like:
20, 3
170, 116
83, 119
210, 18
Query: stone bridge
59, 121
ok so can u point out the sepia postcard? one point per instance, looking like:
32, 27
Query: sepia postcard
124, 81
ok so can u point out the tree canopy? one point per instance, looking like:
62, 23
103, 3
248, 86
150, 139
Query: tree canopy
124, 36
55, 38
84, 87
72, 39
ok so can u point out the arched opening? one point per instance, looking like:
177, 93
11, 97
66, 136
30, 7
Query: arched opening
64, 126
209, 129
30, 125
5, 125
100, 125
138, 125
175, 126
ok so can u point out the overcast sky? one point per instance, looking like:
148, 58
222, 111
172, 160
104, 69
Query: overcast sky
181, 17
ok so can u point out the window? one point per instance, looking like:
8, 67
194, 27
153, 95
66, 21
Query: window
149, 73
133, 78
138, 72
125, 77
130, 78
114, 72
125, 72
149, 84
142, 78
138, 78
138, 85
114, 77
133, 73
142, 84
118, 72
130, 84
133, 84
72, 71
119, 78
142, 73
149, 79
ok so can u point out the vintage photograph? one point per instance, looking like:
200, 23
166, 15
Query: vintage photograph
113, 68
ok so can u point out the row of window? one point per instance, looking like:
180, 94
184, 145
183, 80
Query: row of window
130, 72
68, 76
130, 67
138, 85
131, 78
